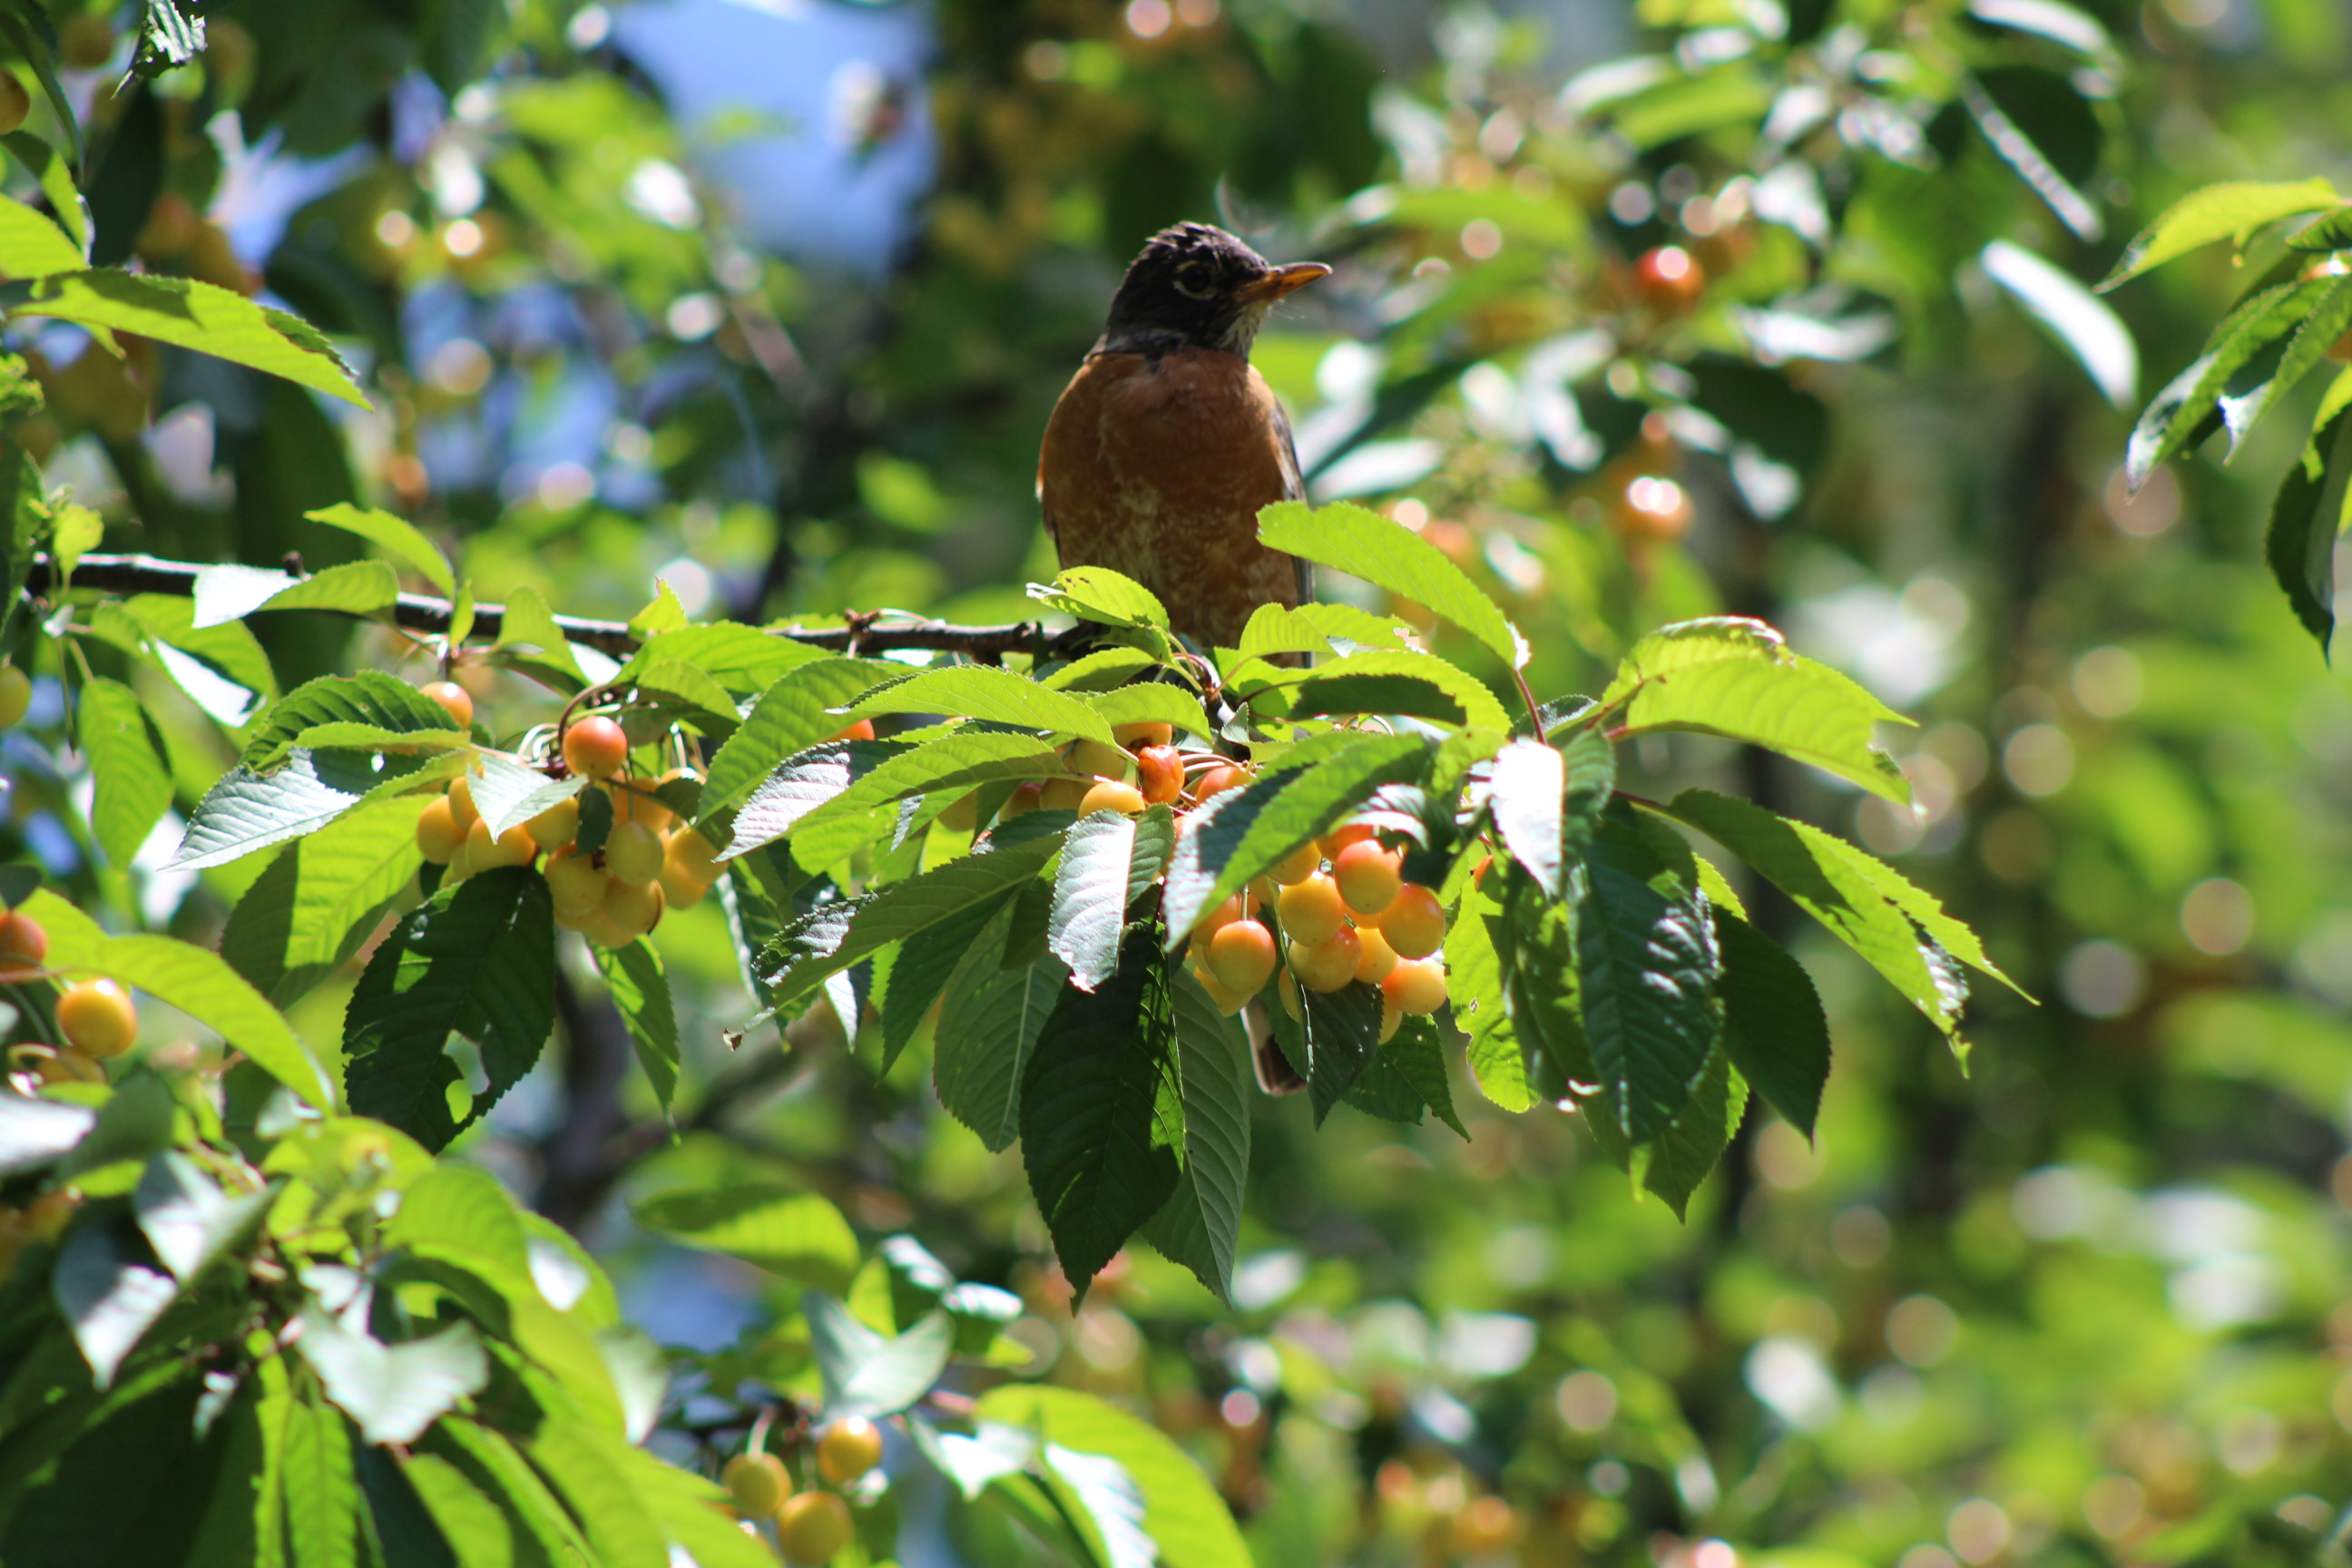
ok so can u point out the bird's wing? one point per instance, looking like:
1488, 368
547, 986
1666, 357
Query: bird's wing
1294, 488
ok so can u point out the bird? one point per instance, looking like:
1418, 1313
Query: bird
1163, 447
1167, 441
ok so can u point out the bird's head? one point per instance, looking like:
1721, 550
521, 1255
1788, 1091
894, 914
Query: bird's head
1198, 286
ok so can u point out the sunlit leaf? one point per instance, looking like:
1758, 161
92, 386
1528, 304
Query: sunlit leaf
1361, 541
397, 535
779, 1228
2235, 208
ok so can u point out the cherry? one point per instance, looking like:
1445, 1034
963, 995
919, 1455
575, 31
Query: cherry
633, 853
1241, 957
1217, 780
634, 910
1414, 923
556, 827
24, 946
438, 836
1375, 958
16, 103
850, 1446
1340, 838
1327, 965
1112, 795
1098, 760
1416, 985
1026, 798
1143, 733
1312, 911
453, 698
85, 42
1300, 864
1669, 278
690, 854
513, 847
461, 801
1368, 876
861, 730
15, 696
1160, 772
575, 883
596, 747
812, 1528
96, 1016
758, 1482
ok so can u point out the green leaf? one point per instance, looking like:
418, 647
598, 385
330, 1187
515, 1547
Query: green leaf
368, 697
1680, 1158
1182, 1512
1646, 966
1360, 541
1341, 1034
707, 707
924, 964
832, 937
1737, 678
591, 1470
805, 785
394, 1392
640, 989
1773, 1025
34, 1133
225, 594
508, 794
322, 1495
989, 1023
133, 783
108, 1289
2317, 334
248, 811
168, 36
204, 662
1277, 629
2306, 517
1419, 684
870, 1374
198, 983
2178, 416
478, 958
73, 534
1418, 1056
834, 826
31, 246
481, 1532
1153, 702
983, 691
2217, 212
53, 172
1091, 892
1845, 890
1531, 801
199, 316
792, 715
494, 1465
460, 1216
1100, 1120
1102, 670
1304, 793
398, 535
740, 658
1480, 1005
528, 628
1100, 595
776, 1227
1200, 1225
187, 1217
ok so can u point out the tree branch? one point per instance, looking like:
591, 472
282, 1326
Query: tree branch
419, 612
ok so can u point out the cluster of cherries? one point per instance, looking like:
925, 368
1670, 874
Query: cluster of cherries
1346, 910
649, 863
96, 1019
812, 1526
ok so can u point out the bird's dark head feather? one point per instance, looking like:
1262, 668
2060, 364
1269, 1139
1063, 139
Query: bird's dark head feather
1198, 286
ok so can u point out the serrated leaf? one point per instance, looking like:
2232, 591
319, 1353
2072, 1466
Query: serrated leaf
198, 983
1277, 629
232, 592
1304, 793
394, 1392
832, 937
508, 794
868, 1374
1773, 1026
740, 658
989, 1019
397, 534
31, 246
983, 691
1646, 967
204, 316
776, 1227
1090, 896
321, 1496
834, 826
2306, 519
2316, 334
479, 958
792, 715
1529, 799
248, 811
1847, 891
700, 697
1480, 1006
186, 1215
203, 661
1100, 1118
1200, 1224
802, 785
1386, 553
528, 628
1678, 1160
132, 783
1156, 703
366, 696
1418, 1056
1101, 670
1737, 678
1100, 595
481, 1532
1182, 1512
51, 170
640, 987
110, 1292
920, 973
2179, 416
2235, 208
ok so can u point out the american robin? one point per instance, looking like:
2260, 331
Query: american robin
1166, 443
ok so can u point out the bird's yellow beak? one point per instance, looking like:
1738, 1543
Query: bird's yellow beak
1274, 283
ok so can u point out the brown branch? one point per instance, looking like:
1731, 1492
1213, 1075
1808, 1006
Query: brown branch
420, 612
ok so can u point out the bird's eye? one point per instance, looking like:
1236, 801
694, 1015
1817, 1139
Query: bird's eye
1193, 280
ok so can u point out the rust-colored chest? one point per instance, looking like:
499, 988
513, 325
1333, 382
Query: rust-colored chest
1157, 467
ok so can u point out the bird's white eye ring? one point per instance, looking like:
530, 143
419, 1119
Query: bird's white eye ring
1192, 280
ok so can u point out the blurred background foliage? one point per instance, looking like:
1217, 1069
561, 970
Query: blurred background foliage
771, 299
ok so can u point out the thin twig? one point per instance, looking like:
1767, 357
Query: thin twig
421, 613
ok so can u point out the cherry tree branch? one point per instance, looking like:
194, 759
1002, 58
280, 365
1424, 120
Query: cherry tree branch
423, 614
